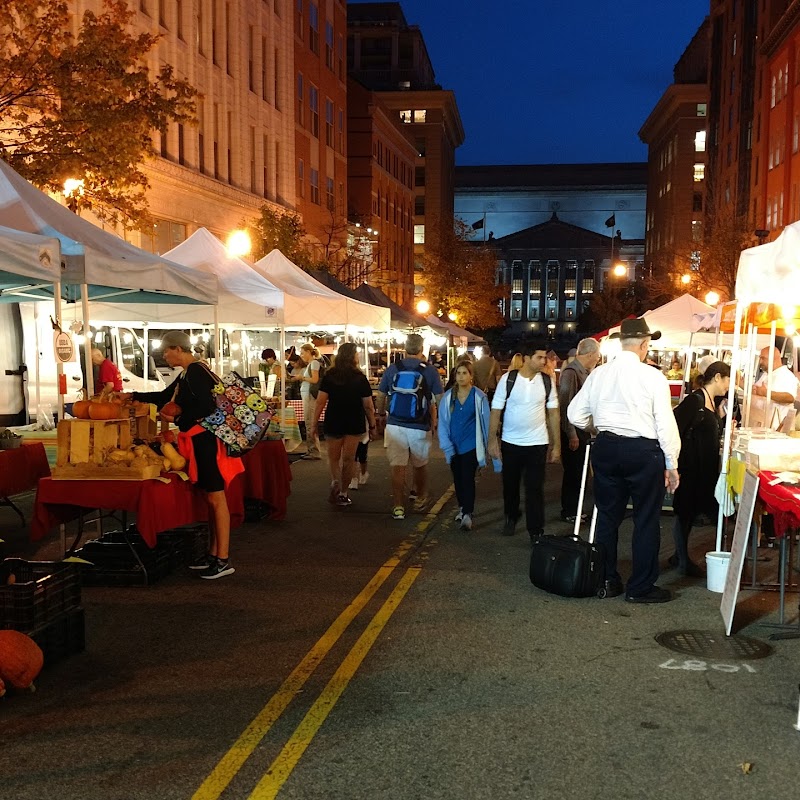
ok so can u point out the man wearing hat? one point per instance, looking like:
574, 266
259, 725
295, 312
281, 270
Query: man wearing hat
635, 456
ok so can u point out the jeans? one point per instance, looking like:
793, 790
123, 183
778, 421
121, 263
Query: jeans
629, 468
524, 463
463, 466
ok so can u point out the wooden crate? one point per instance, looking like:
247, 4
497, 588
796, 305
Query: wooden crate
96, 472
86, 441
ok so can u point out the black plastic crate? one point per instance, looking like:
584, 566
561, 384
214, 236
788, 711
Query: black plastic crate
115, 561
184, 545
62, 637
42, 590
255, 510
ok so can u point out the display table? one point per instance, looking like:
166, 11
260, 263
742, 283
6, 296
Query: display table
781, 501
158, 506
284, 426
297, 406
20, 470
267, 476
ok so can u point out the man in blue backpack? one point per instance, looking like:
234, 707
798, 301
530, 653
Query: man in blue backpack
412, 388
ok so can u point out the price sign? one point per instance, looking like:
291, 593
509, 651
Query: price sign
63, 347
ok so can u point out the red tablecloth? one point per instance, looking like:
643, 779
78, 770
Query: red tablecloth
783, 502
297, 405
158, 506
267, 476
20, 469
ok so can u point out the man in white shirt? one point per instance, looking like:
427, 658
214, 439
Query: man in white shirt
783, 391
635, 456
530, 437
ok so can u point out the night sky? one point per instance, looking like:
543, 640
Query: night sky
553, 81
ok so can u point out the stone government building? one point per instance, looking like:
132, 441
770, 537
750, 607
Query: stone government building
548, 223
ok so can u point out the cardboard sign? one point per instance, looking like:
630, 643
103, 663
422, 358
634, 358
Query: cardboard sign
741, 534
63, 347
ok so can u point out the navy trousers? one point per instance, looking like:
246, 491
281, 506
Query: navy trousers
629, 468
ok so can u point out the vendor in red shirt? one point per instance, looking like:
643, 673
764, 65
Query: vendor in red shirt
108, 376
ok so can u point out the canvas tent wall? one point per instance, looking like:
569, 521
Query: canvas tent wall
26, 261
310, 305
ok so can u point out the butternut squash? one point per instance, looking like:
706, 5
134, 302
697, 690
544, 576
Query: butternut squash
176, 460
21, 660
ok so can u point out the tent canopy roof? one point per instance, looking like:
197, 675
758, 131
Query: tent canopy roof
770, 273
94, 256
401, 317
27, 260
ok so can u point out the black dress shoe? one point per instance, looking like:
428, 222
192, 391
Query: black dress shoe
655, 595
612, 589
510, 528
672, 561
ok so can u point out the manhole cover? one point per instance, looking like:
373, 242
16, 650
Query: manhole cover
714, 645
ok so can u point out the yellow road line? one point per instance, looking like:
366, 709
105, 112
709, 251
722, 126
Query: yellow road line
282, 767
230, 764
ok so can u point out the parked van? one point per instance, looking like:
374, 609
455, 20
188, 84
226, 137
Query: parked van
19, 356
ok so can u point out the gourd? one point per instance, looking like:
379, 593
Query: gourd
21, 660
176, 460
104, 410
171, 409
80, 409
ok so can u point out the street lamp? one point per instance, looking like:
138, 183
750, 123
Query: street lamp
452, 316
73, 191
620, 270
238, 243
712, 298
686, 279
423, 307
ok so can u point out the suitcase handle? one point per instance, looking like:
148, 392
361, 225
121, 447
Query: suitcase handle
576, 530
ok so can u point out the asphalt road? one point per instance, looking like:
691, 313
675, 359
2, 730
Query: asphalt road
354, 656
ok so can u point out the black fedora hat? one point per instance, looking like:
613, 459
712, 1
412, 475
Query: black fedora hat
635, 329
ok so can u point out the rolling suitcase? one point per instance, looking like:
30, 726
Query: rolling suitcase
568, 565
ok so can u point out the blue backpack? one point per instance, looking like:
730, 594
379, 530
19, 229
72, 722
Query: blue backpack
409, 396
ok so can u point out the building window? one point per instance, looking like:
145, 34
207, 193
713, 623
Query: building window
313, 104
329, 122
313, 28
179, 18
300, 95
405, 116
697, 202
419, 234
419, 176
699, 172
315, 186
329, 46
700, 142
329, 196
340, 56
301, 178
419, 205
181, 153
419, 116
340, 131
702, 109
299, 19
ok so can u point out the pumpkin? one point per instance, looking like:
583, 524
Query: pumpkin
171, 409
80, 409
21, 660
103, 410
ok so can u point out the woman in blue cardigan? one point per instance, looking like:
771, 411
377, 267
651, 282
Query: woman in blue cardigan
463, 436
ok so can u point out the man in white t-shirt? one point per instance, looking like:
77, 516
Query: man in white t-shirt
530, 437
784, 388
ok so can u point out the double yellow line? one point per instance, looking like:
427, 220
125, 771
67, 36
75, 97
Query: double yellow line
280, 769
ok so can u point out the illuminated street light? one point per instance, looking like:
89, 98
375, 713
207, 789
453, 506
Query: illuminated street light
238, 243
686, 279
73, 191
620, 270
712, 298
452, 316
423, 307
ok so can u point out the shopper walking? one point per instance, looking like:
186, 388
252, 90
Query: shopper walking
527, 404
209, 465
574, 440
635, 456
700, 429
309, 379
412, 388
464, 436
350, 414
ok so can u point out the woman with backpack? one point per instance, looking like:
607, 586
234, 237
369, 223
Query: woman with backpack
463, 436
698, 464
350, 414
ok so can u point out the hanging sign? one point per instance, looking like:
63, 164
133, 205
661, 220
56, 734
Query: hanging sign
63, 347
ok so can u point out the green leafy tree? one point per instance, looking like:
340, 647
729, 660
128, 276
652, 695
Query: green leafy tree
460, 276
84, 107
612, 304
282, 230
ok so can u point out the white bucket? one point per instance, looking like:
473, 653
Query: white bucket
717, 571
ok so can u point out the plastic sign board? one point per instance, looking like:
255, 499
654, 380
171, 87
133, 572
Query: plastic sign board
63, 347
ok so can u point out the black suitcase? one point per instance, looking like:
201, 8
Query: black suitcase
568, 565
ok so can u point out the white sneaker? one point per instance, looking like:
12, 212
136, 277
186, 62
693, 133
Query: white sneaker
353, 484
466, 522
363, 478
460, 515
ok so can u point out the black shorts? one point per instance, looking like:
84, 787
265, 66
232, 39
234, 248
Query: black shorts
209, 478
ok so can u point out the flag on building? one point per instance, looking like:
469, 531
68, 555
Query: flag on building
611, 221
476, 226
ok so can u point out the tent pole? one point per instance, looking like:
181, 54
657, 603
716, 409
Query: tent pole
88, 342
146, 347
767, 399
218, 343
36, 366
749, 377
59, 365
726, 442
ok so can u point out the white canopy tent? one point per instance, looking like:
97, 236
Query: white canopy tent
26, 260
675, 320
310, 305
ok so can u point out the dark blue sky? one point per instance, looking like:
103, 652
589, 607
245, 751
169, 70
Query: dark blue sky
554, 81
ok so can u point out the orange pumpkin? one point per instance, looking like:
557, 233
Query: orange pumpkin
21, 659
171, 409
80, 409
104, 411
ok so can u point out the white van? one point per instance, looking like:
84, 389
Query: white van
19, 356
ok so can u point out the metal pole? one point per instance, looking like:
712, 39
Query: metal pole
146, 347
59, 365
88, 341
218, 347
